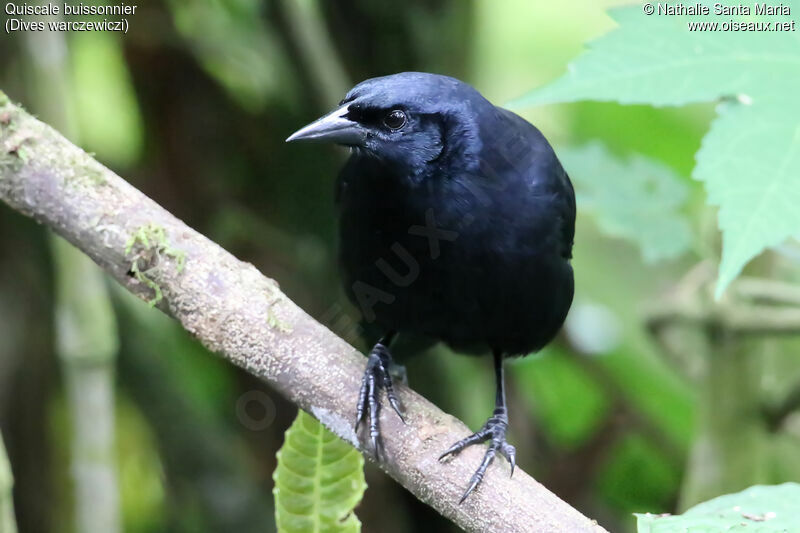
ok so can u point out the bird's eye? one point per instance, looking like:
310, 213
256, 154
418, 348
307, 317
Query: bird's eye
395, 119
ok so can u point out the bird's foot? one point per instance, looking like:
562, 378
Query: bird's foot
494, 430
376, 377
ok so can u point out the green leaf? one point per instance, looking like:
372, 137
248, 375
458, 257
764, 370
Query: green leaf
759, 508
318, 481
750, 163
657, 60
749, 160
637, 199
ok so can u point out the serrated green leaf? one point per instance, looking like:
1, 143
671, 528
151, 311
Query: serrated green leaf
750, 160
637, 199
750, 163
318, 482
759, 508
656, 60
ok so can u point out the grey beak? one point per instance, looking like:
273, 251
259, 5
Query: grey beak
333, 127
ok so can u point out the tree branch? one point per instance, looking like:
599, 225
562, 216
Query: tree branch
242, 315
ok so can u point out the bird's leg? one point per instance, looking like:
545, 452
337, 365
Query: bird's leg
377, 377
494, 430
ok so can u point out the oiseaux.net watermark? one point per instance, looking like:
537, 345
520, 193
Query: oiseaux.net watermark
63, 17
720, 16
255, 410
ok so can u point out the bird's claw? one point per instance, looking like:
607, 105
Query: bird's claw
494, 431
376, 377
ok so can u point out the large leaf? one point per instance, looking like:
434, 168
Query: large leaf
318, 481
636, 199
749, 161
657, 60
760, 508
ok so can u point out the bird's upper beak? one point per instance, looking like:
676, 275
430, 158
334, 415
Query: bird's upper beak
334, 127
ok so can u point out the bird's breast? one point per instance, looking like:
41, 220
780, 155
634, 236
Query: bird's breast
442, 261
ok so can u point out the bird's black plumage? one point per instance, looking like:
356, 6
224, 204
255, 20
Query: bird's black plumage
456, 224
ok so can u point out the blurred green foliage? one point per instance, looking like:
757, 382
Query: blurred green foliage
108, 112
639, 199
235, 44
193, 105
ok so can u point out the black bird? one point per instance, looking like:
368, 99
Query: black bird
456, 224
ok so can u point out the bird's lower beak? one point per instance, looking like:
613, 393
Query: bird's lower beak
333, 127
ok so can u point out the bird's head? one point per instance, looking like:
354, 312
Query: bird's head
409, 119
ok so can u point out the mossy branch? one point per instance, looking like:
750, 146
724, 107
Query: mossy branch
238, 313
